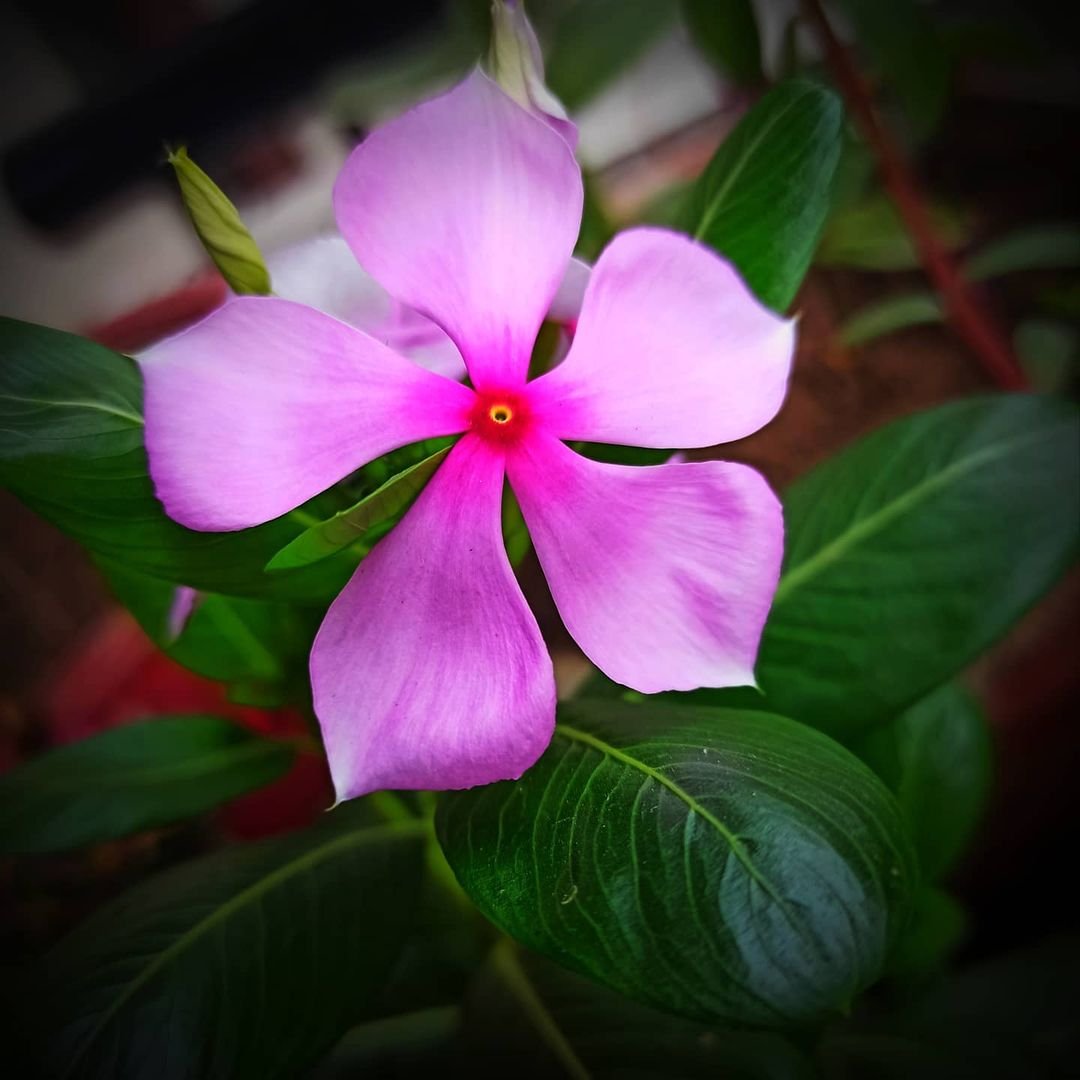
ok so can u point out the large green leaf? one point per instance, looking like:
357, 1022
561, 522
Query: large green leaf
936, 758
131, 778
726, 31
526, 1009
71, 446
763, 199
218, 225
914, 550
733, 867
247, 963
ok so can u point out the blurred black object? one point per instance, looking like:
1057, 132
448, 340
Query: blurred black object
206, 80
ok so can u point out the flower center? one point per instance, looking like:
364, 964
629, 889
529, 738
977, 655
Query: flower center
500, 417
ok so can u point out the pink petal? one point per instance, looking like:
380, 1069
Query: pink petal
466, 208
566, 304
265, 403
324, 274
429, 670
671, 350
181, 608
663, 575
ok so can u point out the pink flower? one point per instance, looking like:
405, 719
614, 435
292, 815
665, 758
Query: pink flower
429, 670
324, 274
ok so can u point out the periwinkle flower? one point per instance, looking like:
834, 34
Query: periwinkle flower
429, 670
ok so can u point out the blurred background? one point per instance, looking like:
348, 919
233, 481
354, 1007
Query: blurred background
981, 100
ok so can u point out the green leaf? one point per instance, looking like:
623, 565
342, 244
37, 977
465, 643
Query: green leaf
248, 963
261, 645
726, 31
903, 42
938, 925
914, 550
419, 1043
71, 447
763, 199
130, 778
524, 1008
598, 39
1049, 351
871, 235
936, 758
733, 867
223, 234
515, 533
1038, 247
889, 315
346, 527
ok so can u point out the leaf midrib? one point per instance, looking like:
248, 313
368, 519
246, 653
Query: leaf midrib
875, 522
751, 149
95, 406
306, 861
737, 849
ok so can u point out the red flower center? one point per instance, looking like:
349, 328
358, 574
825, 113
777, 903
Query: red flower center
500, 417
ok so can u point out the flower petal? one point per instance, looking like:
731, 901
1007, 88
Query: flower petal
466, 208
265, 403
671, 350
566, 304
429, 671
663, 575
324, 274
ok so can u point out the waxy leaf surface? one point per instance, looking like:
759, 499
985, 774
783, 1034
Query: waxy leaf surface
247, 963
914, 550
71, 447
763, 200
733, 867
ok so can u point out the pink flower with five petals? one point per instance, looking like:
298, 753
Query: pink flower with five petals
429, 670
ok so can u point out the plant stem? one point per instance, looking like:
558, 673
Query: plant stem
967, 316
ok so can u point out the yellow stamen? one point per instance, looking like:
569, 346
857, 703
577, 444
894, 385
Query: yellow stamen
501, 414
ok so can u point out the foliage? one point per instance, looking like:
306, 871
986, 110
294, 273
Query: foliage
704, 883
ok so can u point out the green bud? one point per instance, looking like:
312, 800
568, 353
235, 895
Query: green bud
220, 229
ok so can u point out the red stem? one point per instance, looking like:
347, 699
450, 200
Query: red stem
969, 318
